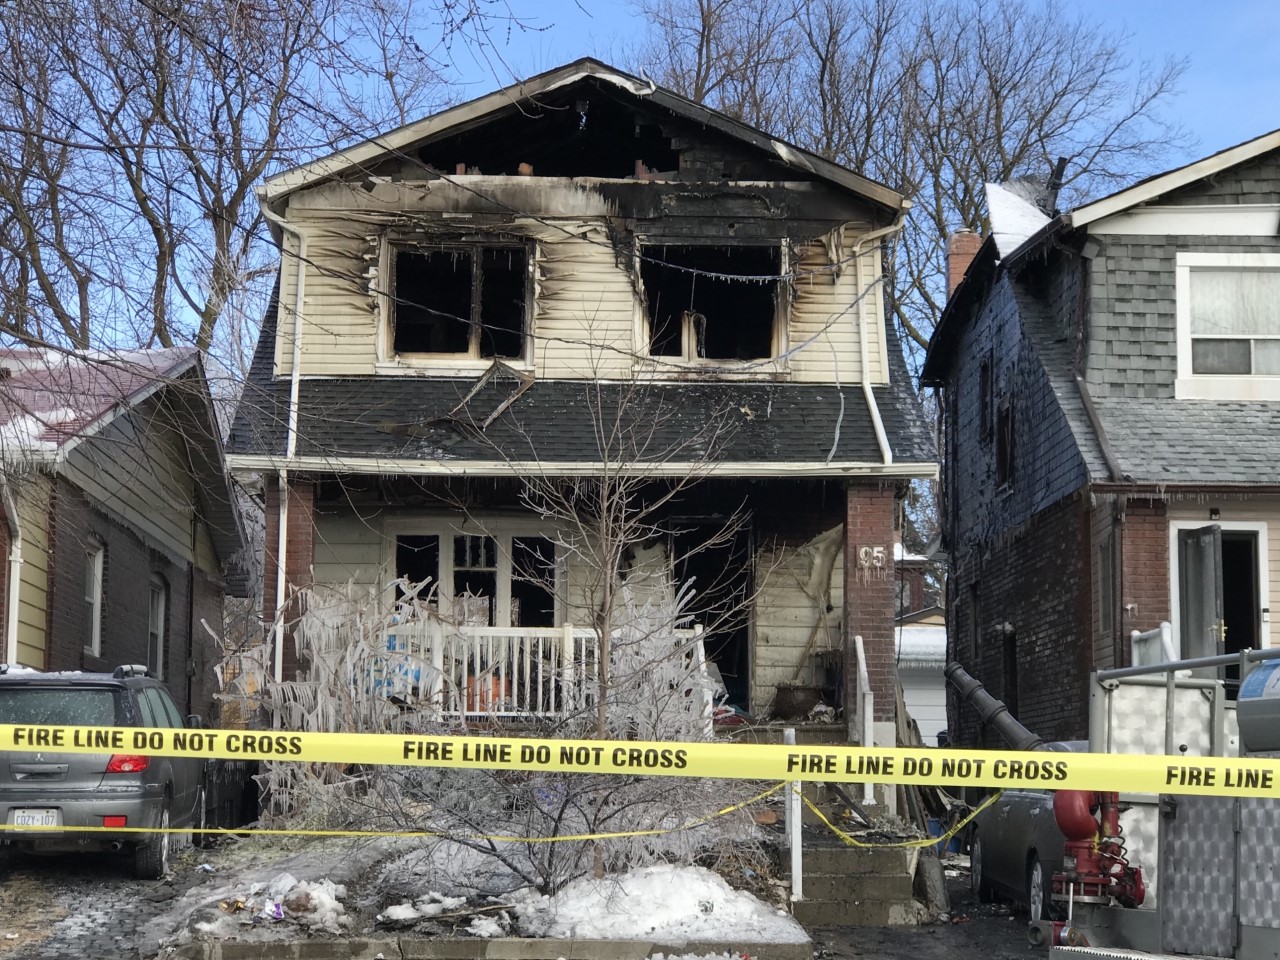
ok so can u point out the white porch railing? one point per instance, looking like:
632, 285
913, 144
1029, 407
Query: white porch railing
512, 672
866, 706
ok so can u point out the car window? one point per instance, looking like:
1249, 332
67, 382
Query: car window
170, 708
155, 700
147, 709
66, 707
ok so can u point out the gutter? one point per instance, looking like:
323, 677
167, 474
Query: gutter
15, 571
882, 439
291, 435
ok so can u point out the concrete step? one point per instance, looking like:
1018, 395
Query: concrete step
845, 861
862, 913
858, 887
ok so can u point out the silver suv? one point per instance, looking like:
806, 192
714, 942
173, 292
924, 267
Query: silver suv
42, 789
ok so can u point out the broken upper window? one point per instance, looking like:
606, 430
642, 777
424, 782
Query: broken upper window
712, 302
464, 300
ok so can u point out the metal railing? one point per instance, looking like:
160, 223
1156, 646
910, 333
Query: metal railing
866, 707
509, 672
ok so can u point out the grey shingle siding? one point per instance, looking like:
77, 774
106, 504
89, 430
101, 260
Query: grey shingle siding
1132, 323
1257, 181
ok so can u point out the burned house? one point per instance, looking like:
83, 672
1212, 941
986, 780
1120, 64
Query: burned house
578, 279
1110, 379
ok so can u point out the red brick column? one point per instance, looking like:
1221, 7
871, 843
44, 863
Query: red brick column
1144, 565
869, 585
298, 558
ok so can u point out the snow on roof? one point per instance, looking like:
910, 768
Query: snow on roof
899, 555
1014, 218
49, 397
922, 645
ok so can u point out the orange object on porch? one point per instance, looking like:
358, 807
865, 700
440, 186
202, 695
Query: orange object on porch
487, 693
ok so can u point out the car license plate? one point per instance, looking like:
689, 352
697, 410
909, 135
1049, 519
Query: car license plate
39, 817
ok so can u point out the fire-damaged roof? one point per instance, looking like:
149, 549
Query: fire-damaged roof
423, 422
535, 102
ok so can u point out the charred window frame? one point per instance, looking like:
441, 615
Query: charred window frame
1005, 451
714, 304
460, 300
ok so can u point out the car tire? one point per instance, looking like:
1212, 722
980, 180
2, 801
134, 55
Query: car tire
200, 822
151, 857
978, 883
1039, 891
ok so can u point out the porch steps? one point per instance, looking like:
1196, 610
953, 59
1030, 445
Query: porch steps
857, 887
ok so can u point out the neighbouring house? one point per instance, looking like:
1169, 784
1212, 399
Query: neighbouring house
920, 644
1110, 382
580, 278
120, 527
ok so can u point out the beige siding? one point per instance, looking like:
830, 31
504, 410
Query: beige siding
349, 550
786, 613
137, 469
825, 314
1265, 510
33, 584
585, 317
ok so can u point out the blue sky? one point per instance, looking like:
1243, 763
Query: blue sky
1230, 92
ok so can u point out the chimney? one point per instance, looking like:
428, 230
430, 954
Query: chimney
962, 247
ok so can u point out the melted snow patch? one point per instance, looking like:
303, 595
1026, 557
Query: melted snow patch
431, 905
1013, 218
664, 903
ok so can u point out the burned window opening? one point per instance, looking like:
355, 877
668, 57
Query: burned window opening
703, 303
461, 300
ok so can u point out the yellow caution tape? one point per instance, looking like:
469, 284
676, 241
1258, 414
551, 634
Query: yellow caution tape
1217, 776
409, 834
852, 841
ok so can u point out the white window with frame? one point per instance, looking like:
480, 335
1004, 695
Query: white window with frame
456, 305
495, 578
157, 614
95, 563
1228, 326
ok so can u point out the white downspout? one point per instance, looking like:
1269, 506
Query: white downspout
14, 582
882, 439
291, 436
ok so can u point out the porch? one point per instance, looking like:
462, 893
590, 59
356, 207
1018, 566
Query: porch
454, 672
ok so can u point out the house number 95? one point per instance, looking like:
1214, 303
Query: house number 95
871, 556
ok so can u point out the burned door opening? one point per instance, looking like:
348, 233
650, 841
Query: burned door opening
712, 302
718, 562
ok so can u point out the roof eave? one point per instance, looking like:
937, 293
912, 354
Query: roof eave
1154, 187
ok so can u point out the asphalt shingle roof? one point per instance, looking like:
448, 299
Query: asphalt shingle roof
563, 420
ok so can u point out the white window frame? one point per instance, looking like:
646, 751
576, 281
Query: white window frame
390, 363
503, 532
760, 368
95, 563
160, 589
1189, 386
1256, 527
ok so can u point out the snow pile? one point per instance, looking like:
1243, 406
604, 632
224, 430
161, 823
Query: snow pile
1014, 218
431, 905
487, 927
317, 905
666, 903
313, 904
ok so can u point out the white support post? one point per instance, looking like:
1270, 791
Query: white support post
568, 699
793, 825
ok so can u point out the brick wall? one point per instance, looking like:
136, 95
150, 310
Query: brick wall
1144, 568
299, 555
870, 593
1023, 601
128, 567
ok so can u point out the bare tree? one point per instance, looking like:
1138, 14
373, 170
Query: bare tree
132, 133
933, 99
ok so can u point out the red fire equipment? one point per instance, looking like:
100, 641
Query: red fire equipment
1094, 867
